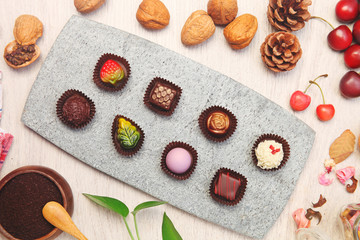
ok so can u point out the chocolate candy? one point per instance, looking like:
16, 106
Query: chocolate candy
228, 187
127, 136
111, 72
162, 96
75, 109
179, 160
218, 123
265, 161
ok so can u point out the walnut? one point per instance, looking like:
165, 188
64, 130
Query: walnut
153, 14
18, 56
27, 29
241, 31
197, 28
86, 6
222, 11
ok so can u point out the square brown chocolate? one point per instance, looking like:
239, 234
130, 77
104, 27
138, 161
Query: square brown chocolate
162, 96
228, 187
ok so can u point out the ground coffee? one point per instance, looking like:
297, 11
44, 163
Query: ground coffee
21, 203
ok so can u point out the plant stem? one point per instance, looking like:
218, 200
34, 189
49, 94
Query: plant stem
322, 94
127, 227
323, 20
324, 75
136, 227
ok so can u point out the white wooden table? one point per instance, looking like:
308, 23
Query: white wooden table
244, 66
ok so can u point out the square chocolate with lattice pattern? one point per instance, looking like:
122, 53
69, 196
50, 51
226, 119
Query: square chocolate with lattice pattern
162, 96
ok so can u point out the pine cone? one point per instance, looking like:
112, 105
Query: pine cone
281, 51
288, 15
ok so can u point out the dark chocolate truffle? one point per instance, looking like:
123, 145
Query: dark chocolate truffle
75, 109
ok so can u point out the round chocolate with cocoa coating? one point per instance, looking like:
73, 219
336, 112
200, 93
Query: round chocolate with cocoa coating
75, 109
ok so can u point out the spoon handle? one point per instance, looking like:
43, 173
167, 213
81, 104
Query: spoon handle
56, 214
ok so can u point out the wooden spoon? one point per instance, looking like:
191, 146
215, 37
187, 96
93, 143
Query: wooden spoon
56, 214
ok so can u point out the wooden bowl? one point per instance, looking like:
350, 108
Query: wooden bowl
56, 178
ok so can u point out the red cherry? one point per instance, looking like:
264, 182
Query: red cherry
356, 31
347, 10
299, 101
350, 85
340, 38
352, 56
325, 112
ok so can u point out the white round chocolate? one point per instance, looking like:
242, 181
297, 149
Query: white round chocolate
269, 154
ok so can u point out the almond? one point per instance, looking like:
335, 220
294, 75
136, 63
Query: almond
153, 14
197, 28
241, 31
27, 29
222, 11
86, 6
342, 147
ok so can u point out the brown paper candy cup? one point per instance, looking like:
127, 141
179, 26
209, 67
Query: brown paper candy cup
239, 193
121, 150
108, 86
155, 108
276, 138
215, 137
192, 152
60, 104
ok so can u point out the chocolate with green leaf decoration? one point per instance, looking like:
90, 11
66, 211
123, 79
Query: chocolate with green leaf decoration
128, 135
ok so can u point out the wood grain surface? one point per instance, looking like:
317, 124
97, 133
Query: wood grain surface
244, 66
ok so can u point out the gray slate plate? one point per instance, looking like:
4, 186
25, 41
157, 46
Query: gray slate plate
70, 64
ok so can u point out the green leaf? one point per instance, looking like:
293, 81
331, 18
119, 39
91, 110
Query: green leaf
128, 135
168, 230
110, 203
146, 205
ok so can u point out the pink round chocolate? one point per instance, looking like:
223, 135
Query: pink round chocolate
178, 160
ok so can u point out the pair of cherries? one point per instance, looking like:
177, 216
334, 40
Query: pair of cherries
299, 101
340, 38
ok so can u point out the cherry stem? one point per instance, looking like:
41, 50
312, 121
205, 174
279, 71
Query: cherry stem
322, 94
324, 75
323, 20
